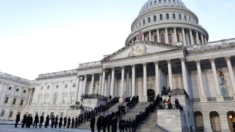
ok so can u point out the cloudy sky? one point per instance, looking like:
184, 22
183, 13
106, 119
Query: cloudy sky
43, 36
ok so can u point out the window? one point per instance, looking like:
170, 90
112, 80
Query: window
3, 113
11, 114
21, 102
14, 101
6, 100
154, 18
55, 98
143, 22
149, 20
24, 91
173, 16
74, 85
185, 18
48, 87
167, 16
66, 85
64, 99
72, 100
57, 86
180, 16
39, 99
46, 100
161, 18
61, 114
17, 90
9, 88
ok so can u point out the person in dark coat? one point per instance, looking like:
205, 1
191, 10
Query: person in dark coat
65, 121
69, 120
92, 124
36, 120
52, 121
47, 121
76, 122
60, 122
17, 119
24, 120
121, 125
56, 121
29, 121
41, 120
72, 122
104, 125
108, 122
99, 123
114, 124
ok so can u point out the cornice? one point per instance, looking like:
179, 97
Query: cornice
58, 76
88, 68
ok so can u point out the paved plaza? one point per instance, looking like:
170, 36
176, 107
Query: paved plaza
11, 128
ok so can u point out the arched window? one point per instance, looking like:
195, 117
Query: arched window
55, 98
143, 22
154, 18
161, 18
163, 38
170, 38
173, 16
149, 20
155, 38
180, 16
185, 18
167, 16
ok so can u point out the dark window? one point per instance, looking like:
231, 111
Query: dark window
24, 91
21, 102
143, 22
14, 101
173, 16
6, 100
185, 18
17, 90
149, 20
9, 88
180, 16
161, 18
160, 1
155, 2
154, 18
167, 16
11, 114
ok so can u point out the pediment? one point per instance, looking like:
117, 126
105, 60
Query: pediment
140, 48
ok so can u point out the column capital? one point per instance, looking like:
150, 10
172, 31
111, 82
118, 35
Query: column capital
103, 69
212, 60
168, 60
227, 58
197, 61
112, 68
182, 59
156, 62
122, 67
144, 64
132, 65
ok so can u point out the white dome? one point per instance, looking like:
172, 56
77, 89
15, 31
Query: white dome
161, 3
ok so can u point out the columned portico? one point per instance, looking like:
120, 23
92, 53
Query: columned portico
84, 84
92, 84
150, 36
175, 36
166, 36
144, 82
122, 83
183, 36
197, 38
158, 36
77, 92
103, 82
191, 37
184, 70
112, 82
157, 79
170, 73
133, 80
202, 38
231, 73
100, 84
202, 91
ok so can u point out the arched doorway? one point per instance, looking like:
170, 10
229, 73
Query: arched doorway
151, 95
230, 116
215, 121
199, 121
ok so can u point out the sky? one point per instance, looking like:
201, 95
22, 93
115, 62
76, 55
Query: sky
45, 36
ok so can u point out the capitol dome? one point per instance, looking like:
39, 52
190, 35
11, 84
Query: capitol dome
167, 21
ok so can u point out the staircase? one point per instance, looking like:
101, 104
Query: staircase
134, 111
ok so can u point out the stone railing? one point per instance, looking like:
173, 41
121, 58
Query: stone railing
15, 78
195, 100
57, 74
213, 44
90, 64
94, 96
228, 98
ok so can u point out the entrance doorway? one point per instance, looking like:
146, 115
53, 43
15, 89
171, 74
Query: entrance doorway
215, 122
199, 121
151, 95
230, 116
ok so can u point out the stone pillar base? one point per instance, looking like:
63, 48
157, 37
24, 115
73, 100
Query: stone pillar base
203, 99
220, 99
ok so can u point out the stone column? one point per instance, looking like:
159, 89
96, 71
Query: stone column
100, 84
80, 89
122, 83
184, 74
30, 93
103, 82
202, 38
231, 74
197, 38
157, 79
166, 36
144, 82
224, 121
112, 82
84, 85
175, 35
202, 91
170, 73
133, 80
217, 88
143, 36
127, 83
158, 36
206, 121
191, 37
184, 39
92, 84
150, 36
77, 93
109, 82
205, 40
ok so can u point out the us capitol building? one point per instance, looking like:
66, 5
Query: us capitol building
173, 51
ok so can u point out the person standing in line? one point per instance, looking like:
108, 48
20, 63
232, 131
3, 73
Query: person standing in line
60, 122
47, 121
69, 120
76, 122
92, 124
52, 121
56, 121
29, 121
24, 120
72, 122
36, 120
41, 120
65, 121
17, 119
114, 124
99, 123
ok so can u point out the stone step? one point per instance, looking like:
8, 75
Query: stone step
134, 111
